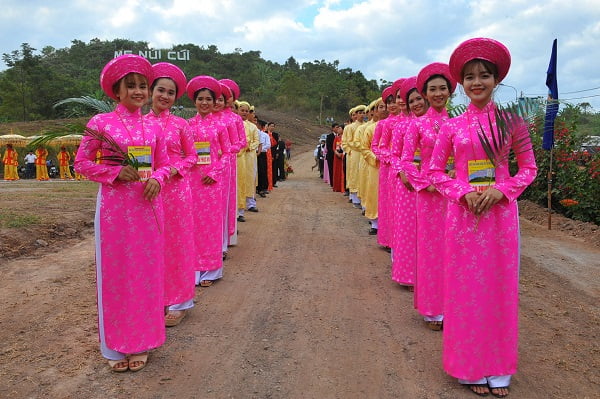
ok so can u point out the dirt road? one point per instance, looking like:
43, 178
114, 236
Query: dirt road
306, 309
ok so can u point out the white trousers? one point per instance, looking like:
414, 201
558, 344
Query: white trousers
183, 306
209, 275
493, 381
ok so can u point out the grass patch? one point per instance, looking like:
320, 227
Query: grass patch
14, 220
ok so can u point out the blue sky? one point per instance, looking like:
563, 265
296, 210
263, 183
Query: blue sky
385, 39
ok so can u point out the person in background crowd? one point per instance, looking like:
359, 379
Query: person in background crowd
481, 279
338, 160
30, 165
129, 218
247, 165
10, 161
279, 157
78, 176
264, 146
270, 158
330, 152
41, 169
351, 150
64, 159
320, 156
371, 188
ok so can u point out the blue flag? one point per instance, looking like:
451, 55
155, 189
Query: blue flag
552, 106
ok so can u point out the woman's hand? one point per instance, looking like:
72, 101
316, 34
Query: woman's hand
489, 197
151, 189
431, 189
470, 199
452, 173
128, 173
405, 181
208, 180
172, 171
480, 203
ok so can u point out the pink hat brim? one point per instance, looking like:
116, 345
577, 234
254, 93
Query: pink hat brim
436, 68
203, 82
121, 66
226, 91
480, 48
173, 72
235, 89
388, 91
397, 84
408, 85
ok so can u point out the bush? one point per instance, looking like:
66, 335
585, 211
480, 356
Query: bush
575, 173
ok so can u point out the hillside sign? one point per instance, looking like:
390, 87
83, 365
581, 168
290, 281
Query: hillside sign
180, 55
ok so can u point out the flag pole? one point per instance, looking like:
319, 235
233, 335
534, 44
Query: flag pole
551, 111
550, 191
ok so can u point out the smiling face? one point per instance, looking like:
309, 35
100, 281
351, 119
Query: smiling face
401, 104
437, 92
416, 103
479, 83
381, 111
360, 115
132, 91
219, 104
243, 111
204, 102
163, 95
391, 105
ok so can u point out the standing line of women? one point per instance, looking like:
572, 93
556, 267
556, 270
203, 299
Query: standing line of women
454, 241
165, 212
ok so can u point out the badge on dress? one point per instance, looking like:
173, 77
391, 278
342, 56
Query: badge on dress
143, 158
482, 174
203, 152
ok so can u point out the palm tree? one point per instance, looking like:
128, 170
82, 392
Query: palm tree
584, 107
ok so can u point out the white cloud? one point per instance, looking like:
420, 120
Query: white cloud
385, 39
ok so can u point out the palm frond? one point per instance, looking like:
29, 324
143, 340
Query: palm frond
99, 106
510, 120
456, 110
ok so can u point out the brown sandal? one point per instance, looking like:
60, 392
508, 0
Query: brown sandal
206, 283
435, 325
140, 358
175, 318
475, 389
118, 366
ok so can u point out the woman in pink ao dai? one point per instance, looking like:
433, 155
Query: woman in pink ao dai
169, 84
481, 299
436, 85
208, 179
129, 219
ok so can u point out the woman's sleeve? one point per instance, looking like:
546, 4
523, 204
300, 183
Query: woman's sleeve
216, 169
512, 187
411, 144
162, 168
452, 189
190, 157
376, 138
396, 145
85, 161
365, 148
